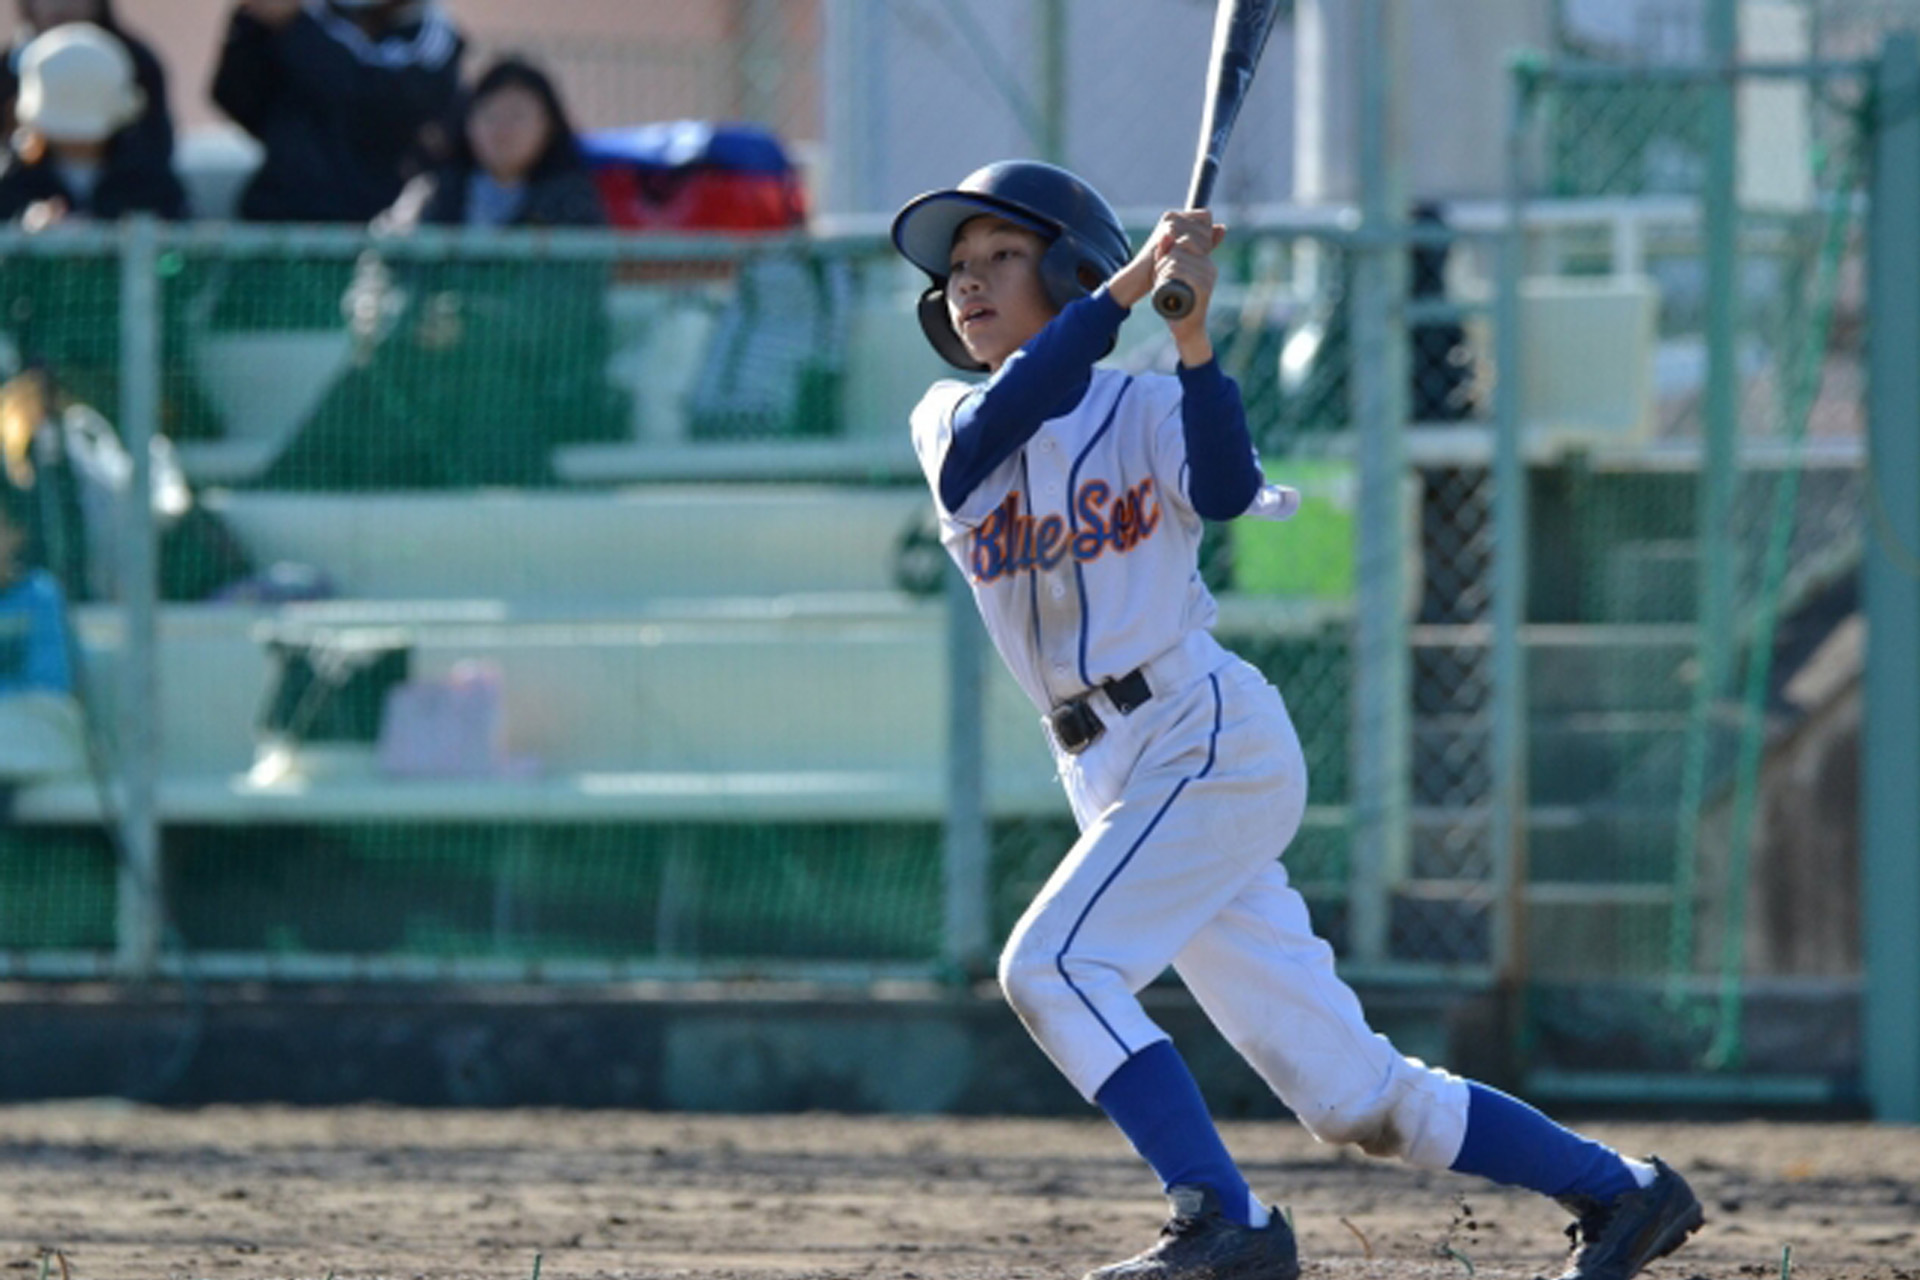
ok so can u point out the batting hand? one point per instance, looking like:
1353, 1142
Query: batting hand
1182, 246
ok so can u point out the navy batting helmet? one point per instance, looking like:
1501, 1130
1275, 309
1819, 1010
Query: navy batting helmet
1085, 241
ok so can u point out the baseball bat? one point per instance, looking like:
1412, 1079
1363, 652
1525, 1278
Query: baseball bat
1240, 30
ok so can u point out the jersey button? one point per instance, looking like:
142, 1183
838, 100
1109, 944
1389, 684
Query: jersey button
1059, 589
1060, 668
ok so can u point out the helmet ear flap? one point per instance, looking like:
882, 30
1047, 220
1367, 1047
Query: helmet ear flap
938, 326
1063, 272
1068, 273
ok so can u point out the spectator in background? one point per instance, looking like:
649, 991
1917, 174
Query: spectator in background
515, 161
472, 370
147, 142
33, 620
42, 732
78, 98
340, 94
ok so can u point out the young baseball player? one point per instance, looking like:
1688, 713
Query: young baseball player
1073, 498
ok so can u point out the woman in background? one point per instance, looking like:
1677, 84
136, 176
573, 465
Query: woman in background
515, 162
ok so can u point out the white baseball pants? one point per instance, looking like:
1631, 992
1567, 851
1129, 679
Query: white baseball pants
1184, 809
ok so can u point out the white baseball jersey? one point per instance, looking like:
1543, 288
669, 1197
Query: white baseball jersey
1083, 552
1082, 548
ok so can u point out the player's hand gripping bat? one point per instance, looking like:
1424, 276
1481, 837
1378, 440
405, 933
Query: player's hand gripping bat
1240, 30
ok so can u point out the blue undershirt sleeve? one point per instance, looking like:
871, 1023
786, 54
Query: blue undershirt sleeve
1043, 379
1223, 473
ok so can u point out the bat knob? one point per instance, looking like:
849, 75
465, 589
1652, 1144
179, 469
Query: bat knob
1173, 299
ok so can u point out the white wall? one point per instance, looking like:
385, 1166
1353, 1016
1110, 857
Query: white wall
1450, 71
916, 98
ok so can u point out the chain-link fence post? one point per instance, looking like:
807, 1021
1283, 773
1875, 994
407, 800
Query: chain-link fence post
139, 910
1720, 426
965, 848
1890, 821
759, 64
1053, 81
1380, 676
1508, 794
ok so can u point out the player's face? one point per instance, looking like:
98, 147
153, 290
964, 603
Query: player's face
994, 295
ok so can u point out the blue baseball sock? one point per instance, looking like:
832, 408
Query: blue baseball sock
1510, 1142
1155, 1102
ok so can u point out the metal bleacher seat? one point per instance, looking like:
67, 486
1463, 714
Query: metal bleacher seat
672, 653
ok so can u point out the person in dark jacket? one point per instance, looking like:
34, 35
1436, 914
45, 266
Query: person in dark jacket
78, 96
146, 144
339, 93
472, 369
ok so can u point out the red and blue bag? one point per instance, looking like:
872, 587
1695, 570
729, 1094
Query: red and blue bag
694, 175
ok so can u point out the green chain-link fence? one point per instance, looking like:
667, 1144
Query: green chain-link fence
553, 606
1679, 588
562, 606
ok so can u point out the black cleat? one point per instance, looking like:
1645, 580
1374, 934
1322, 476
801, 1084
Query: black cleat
1200, 1243
1614, 1241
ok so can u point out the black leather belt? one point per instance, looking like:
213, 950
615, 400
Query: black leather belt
1075, 724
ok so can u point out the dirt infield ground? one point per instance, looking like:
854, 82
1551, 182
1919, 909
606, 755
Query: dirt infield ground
121, 1191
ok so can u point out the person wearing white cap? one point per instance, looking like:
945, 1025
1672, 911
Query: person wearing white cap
148, 141
70, 160
78, 91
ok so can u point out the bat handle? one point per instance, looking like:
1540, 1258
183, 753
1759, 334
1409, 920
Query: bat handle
1173, 299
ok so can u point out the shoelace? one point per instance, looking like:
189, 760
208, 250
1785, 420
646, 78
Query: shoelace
1181, 1226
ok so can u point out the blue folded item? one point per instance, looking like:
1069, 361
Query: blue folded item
684, 144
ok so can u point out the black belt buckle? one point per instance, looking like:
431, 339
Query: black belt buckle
1075, 724
1129, 692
